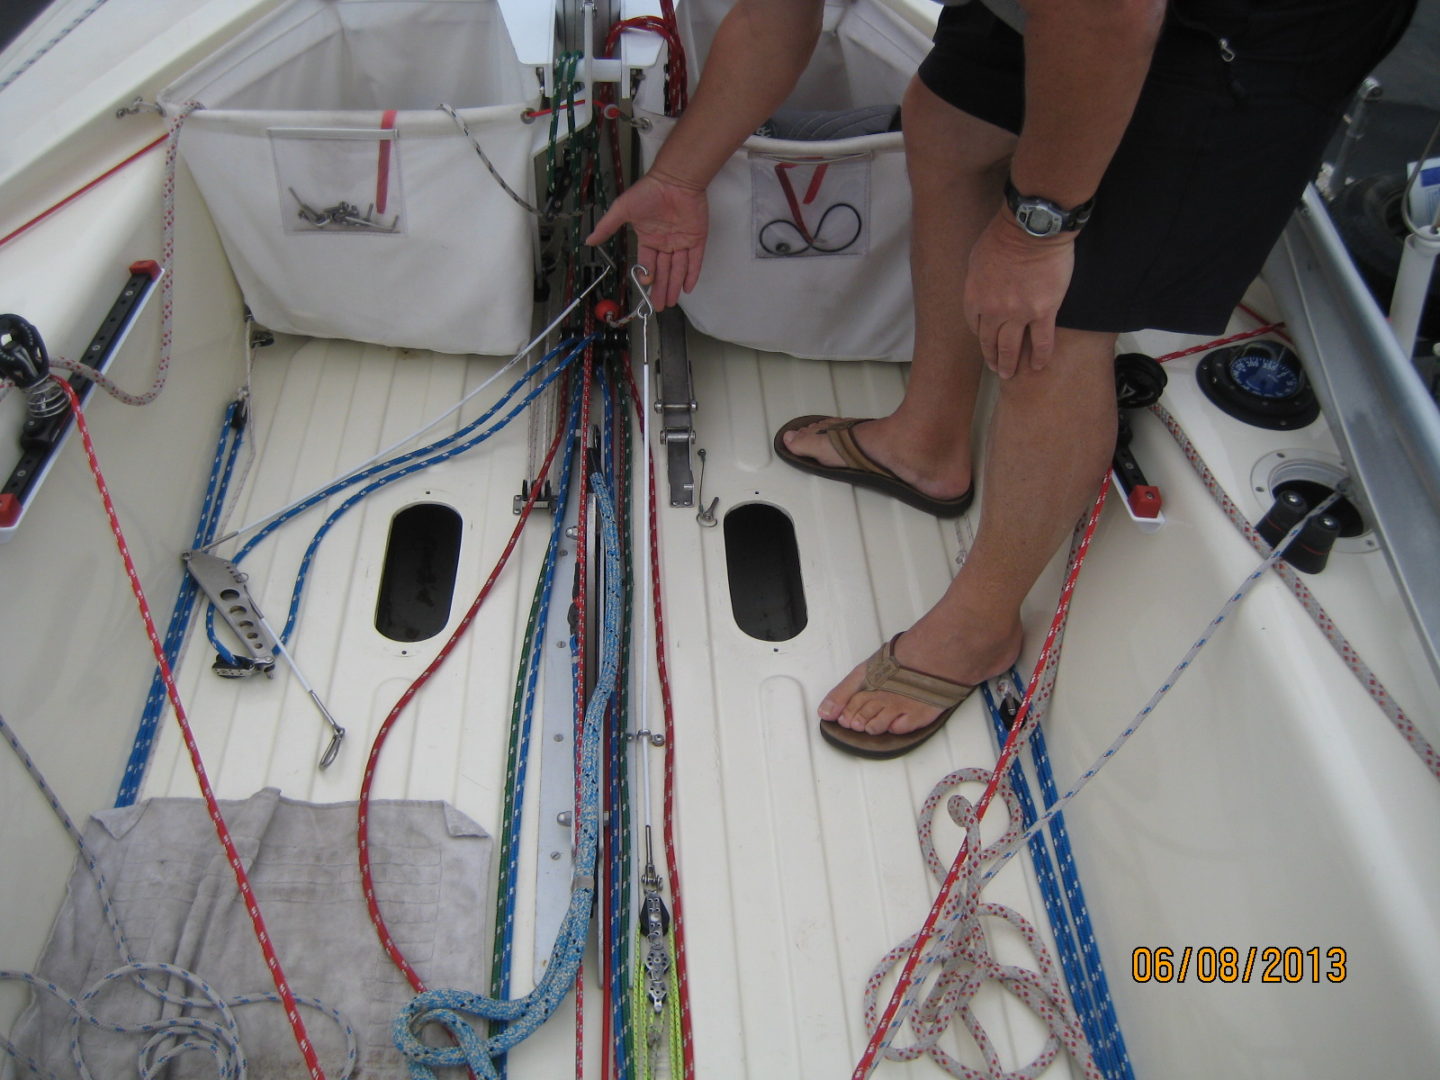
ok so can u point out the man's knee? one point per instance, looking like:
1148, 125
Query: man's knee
939, 134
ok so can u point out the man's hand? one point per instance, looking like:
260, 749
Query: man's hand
1013, 289
671, 223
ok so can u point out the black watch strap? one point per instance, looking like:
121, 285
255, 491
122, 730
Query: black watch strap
1041, 217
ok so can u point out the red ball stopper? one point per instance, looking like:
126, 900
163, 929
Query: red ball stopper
608, 312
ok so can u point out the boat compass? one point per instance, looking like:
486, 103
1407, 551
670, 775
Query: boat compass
1261, 383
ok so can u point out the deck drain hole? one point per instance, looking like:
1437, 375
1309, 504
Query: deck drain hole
763, 564
417, 583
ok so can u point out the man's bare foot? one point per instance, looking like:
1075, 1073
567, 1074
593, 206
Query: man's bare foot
939, 471
936, 645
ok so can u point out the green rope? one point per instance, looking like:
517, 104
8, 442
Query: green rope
499, 973
627, 631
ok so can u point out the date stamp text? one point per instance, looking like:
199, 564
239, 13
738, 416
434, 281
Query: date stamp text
1227, 964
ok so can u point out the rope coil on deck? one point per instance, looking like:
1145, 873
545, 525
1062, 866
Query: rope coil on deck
965, 960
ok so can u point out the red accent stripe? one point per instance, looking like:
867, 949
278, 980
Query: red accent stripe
782, 174
382, 167
816, 179
1244, 335
81, 191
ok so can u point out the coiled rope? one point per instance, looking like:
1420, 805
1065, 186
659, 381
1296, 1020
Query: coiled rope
964, 956
957, 920
946, 916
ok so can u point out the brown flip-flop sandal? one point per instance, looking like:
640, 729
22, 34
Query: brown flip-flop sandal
884, 672
862, 470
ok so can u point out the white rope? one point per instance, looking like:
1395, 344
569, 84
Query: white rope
964, 960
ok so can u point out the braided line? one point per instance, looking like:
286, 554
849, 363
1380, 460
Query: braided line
1347, 652
222, 831
684, 1027
526, 1014
965, 960
60, 36
903, 997
377, 918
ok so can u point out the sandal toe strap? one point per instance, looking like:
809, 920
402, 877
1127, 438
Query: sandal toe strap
884, 672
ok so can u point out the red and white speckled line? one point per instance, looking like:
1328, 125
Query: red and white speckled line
1362, 671
242, 880
966, 963
938, 924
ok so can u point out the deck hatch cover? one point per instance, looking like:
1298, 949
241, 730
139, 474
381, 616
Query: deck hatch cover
762, 561
417, 583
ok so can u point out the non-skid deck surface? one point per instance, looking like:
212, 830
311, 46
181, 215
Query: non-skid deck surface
800, 867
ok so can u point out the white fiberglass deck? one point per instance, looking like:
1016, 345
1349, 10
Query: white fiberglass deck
799, 865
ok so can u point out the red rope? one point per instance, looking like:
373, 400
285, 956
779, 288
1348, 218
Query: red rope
667, 704
1244, 335
677, 90
382, 930
212, 806
68, 199
880, 1037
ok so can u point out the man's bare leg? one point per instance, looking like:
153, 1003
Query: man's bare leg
1051, 438
957, 167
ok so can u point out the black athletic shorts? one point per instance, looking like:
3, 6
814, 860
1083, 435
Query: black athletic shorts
1216, 157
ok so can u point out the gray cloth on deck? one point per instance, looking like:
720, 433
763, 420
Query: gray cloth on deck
176, 899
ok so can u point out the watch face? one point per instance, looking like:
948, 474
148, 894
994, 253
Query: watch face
1038, 219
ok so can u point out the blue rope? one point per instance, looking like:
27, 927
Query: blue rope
1064, 900
617, 865
415, 460
222, 469
525, 1015
511, 871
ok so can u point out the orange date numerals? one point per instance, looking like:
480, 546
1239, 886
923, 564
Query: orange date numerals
1228, 964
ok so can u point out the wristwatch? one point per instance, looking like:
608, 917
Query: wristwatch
1041, 217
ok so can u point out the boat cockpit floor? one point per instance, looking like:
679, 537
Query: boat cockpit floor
799, 865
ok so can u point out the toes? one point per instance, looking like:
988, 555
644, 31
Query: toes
866, 712
834, 703
804, 441
877, 713
911, 720
882, 717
